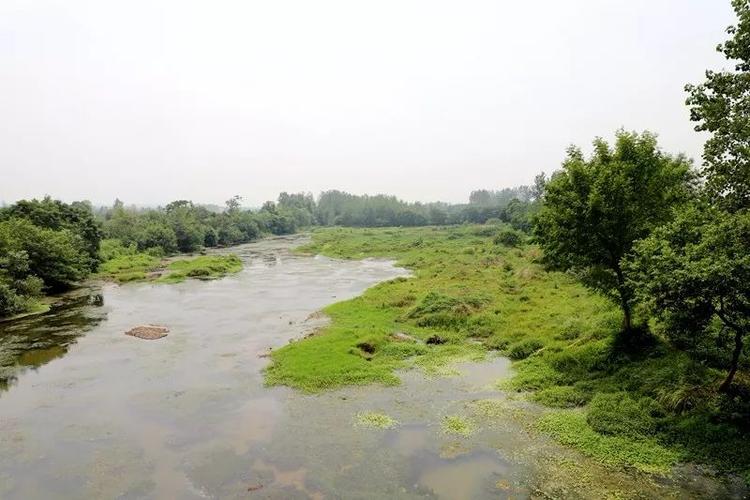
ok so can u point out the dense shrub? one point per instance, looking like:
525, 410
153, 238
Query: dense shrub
77, 217
10, 302
155, 234
509, 238
58, 257
44, 245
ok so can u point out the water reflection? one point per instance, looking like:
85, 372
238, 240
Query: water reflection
33, 341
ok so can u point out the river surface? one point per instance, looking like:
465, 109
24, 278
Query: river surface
88, 412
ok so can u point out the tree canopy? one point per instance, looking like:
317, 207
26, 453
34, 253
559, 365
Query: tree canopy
595, 209
720, 106
696, 269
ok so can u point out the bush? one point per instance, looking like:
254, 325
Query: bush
30, 286
487, 231
58, 257
77, 218
524, 349
112, 248
156, 234
10, 302
508, 238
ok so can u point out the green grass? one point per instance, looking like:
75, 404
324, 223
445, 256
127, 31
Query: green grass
646, 454
472, 292
127, 268
144, 267
203, 267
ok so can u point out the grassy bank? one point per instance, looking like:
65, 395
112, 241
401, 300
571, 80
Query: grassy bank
479, 288
124, 265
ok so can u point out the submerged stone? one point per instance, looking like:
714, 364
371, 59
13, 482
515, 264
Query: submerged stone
148, 332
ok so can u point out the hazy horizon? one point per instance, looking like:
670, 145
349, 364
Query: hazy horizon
151, 102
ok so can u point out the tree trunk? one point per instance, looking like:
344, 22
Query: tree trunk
627, 322
724, 387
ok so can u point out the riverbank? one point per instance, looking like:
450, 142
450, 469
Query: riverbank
470, 293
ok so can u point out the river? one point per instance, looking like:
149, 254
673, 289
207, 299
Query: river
88, 412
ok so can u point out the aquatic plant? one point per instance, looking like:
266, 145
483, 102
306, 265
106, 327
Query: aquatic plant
373, 419
458, 425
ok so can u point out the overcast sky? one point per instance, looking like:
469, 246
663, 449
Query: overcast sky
151, 101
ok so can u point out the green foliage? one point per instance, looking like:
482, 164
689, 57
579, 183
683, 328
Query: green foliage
182, 226
594, 210
11, 302
45, 245
511, 205
509, 238
157, 234
57, 257
76, 217
720, 106
111, 249
695, 270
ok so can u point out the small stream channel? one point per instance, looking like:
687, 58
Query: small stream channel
88, 412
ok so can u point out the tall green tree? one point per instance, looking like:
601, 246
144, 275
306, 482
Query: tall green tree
721, 107
594, 209
695, 270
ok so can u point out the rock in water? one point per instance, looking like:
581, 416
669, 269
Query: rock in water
148, 332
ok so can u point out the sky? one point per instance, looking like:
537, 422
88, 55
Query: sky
152, 101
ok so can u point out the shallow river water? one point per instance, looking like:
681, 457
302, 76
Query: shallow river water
88, 412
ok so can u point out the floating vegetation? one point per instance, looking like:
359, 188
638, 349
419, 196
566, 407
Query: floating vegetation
377, 420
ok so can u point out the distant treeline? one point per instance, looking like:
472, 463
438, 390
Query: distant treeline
47, 246
337, 208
